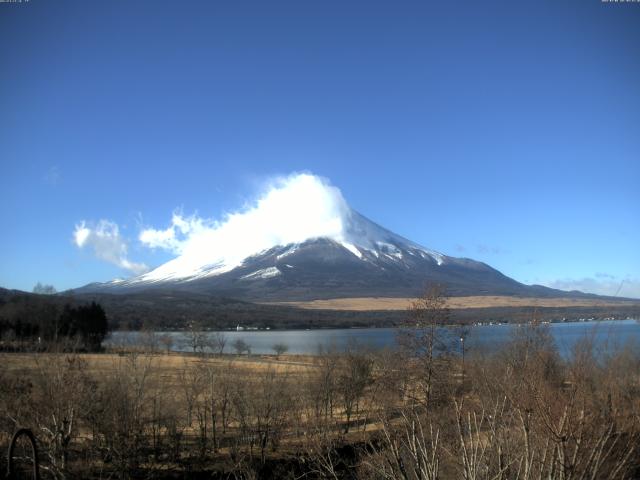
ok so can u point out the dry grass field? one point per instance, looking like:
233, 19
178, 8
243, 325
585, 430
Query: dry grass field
164, 365
350, 415
380, 303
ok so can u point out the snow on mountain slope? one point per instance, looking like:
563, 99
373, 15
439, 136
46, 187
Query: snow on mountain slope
302, 241
302, 208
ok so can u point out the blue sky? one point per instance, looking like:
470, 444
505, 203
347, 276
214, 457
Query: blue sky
508, 132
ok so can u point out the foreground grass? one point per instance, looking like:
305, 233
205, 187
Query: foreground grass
170, 412
522, 413
167, 365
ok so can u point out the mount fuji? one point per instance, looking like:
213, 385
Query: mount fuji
302, 241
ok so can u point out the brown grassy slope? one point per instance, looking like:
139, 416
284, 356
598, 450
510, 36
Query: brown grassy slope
379, 303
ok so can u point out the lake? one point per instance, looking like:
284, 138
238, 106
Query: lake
607, 334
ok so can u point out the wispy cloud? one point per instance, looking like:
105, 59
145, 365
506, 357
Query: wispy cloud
52, 176
494, 250
605, 275
601, 284
107, 244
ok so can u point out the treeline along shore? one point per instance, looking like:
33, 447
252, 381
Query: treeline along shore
162, 311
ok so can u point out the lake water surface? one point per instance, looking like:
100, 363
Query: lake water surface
607, 334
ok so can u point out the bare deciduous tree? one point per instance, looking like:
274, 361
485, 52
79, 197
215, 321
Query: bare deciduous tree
217, 342
423, 341
280, 348
409, 449
240, 346
167, 341
354, 376
196, 337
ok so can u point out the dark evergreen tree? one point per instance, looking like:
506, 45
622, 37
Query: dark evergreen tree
87, 321
94, 325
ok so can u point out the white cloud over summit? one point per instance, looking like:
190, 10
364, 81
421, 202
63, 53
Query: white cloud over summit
293, 209
107, 244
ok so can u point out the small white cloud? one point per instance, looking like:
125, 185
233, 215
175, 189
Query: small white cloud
52, 176
604, 284
81, 234
107, 244
175, 237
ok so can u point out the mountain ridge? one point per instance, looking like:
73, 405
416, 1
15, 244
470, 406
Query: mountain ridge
302, 241
365, 260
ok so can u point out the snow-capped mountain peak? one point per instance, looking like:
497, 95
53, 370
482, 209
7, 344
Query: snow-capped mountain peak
302, 241
298, 209
358, 235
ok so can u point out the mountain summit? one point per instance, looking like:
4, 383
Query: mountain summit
302, 241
